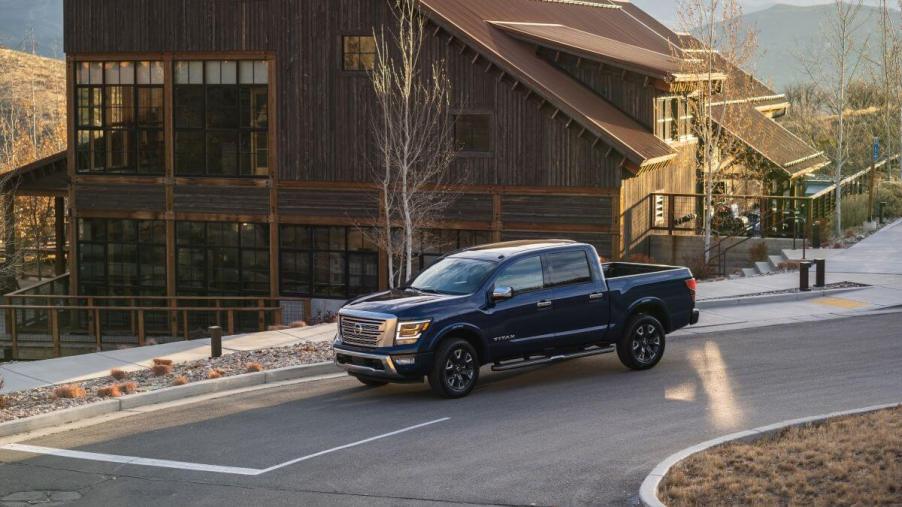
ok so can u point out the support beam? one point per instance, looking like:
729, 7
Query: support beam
59, 263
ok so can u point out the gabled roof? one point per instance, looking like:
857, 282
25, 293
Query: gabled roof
769, 139
45, 177
470, 20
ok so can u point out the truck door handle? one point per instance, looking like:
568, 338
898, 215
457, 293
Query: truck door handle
544, 304
596, 295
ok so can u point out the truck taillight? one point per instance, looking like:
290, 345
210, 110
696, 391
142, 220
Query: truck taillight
692, 285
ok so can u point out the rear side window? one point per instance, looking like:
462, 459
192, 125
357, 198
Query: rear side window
567, 268
523, 276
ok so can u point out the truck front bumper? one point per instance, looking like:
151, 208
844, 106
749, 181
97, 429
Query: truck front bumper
377, 365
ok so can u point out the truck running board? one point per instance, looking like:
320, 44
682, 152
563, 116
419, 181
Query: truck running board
526, 363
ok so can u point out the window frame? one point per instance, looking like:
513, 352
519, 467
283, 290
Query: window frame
546, 265
133, 131
206, 287
106, 288
310, 251
673, 119
465, 153
360, 71
239, 131
513, 263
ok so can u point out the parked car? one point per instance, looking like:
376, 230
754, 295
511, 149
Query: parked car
513, 305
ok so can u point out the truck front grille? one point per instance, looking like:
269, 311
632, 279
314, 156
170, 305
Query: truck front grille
360, 331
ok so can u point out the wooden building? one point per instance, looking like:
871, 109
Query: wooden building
220, 147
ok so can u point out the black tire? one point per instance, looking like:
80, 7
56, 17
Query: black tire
371, 382
456, 369
643, 343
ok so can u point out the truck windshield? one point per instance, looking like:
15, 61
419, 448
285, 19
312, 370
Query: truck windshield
453, 276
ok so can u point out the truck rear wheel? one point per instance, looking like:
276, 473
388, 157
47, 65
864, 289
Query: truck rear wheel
456, 369
643, 342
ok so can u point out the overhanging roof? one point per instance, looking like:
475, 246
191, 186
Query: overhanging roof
47, 177
769, 139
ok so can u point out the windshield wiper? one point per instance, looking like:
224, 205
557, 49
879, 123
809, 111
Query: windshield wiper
425, 290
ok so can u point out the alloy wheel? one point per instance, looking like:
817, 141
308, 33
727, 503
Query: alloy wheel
646, 344
460, 369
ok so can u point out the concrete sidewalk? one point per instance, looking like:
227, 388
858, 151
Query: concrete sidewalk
27, 375
876, 261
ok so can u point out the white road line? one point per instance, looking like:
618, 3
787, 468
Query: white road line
130, 460
355, 444
199, 467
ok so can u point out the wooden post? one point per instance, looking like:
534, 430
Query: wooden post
60, 227
872, 191
261, 316
55, 332
141, 332
98, 339
131, 317
231, 322
671, 213
14, 333
185, 323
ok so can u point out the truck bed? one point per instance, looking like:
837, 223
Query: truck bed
621, 269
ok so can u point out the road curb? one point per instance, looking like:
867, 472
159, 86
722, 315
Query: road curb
711, 304
648, 492
165, 395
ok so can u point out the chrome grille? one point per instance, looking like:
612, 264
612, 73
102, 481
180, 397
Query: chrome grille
360, 331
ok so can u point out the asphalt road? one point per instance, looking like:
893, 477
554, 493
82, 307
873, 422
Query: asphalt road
577, 433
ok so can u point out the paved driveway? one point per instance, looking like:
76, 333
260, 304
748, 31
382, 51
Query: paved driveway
580, 433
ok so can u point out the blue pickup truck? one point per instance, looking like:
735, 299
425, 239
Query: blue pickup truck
512, 305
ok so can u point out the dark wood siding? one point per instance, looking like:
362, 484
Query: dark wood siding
601, 242
470, 208
328, 203
120, 197
322, 110
221, 200
560, 210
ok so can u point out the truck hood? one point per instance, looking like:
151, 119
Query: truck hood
401, 303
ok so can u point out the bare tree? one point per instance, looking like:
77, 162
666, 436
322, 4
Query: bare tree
834, 64
720, 45
413, 136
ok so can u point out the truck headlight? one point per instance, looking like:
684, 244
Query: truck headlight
409, 332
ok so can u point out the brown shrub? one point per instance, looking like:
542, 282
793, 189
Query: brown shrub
118, 374
128, 387
214, 374
789, 266
641, 259
161, 369
277, 327
758, 252
180, 380
297, 324
70, 392
253, 367
112, 391
3, 402
701, 270
165, 362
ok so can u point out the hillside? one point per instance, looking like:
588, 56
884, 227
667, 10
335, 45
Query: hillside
786, 33
20, 72
42, 18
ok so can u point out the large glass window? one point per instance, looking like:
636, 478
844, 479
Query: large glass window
329, 262
221, 115
121, 257
222, 259
567, 268
432, 244
119, 117
522, 276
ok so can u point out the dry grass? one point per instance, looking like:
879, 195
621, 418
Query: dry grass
853, 460
161, 369
109, 392
128, 387
180, 380
3, 402
215, 373
253, 367
163, 362
297, 324
118, 374
70, 392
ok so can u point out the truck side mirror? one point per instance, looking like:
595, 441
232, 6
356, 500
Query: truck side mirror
502, 293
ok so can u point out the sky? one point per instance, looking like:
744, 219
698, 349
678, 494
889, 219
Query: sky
665, 10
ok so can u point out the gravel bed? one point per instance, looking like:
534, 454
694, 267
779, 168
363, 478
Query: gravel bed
42, 400
829, 286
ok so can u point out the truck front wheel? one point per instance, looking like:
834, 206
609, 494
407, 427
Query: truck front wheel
642, 344
456, 369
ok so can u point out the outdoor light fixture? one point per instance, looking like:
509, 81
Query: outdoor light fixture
409, 332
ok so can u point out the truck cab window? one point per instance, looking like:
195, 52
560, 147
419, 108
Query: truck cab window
567, 268
522, 276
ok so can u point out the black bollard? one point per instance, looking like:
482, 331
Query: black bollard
215, 341
820, 280
804, 271
882, 212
